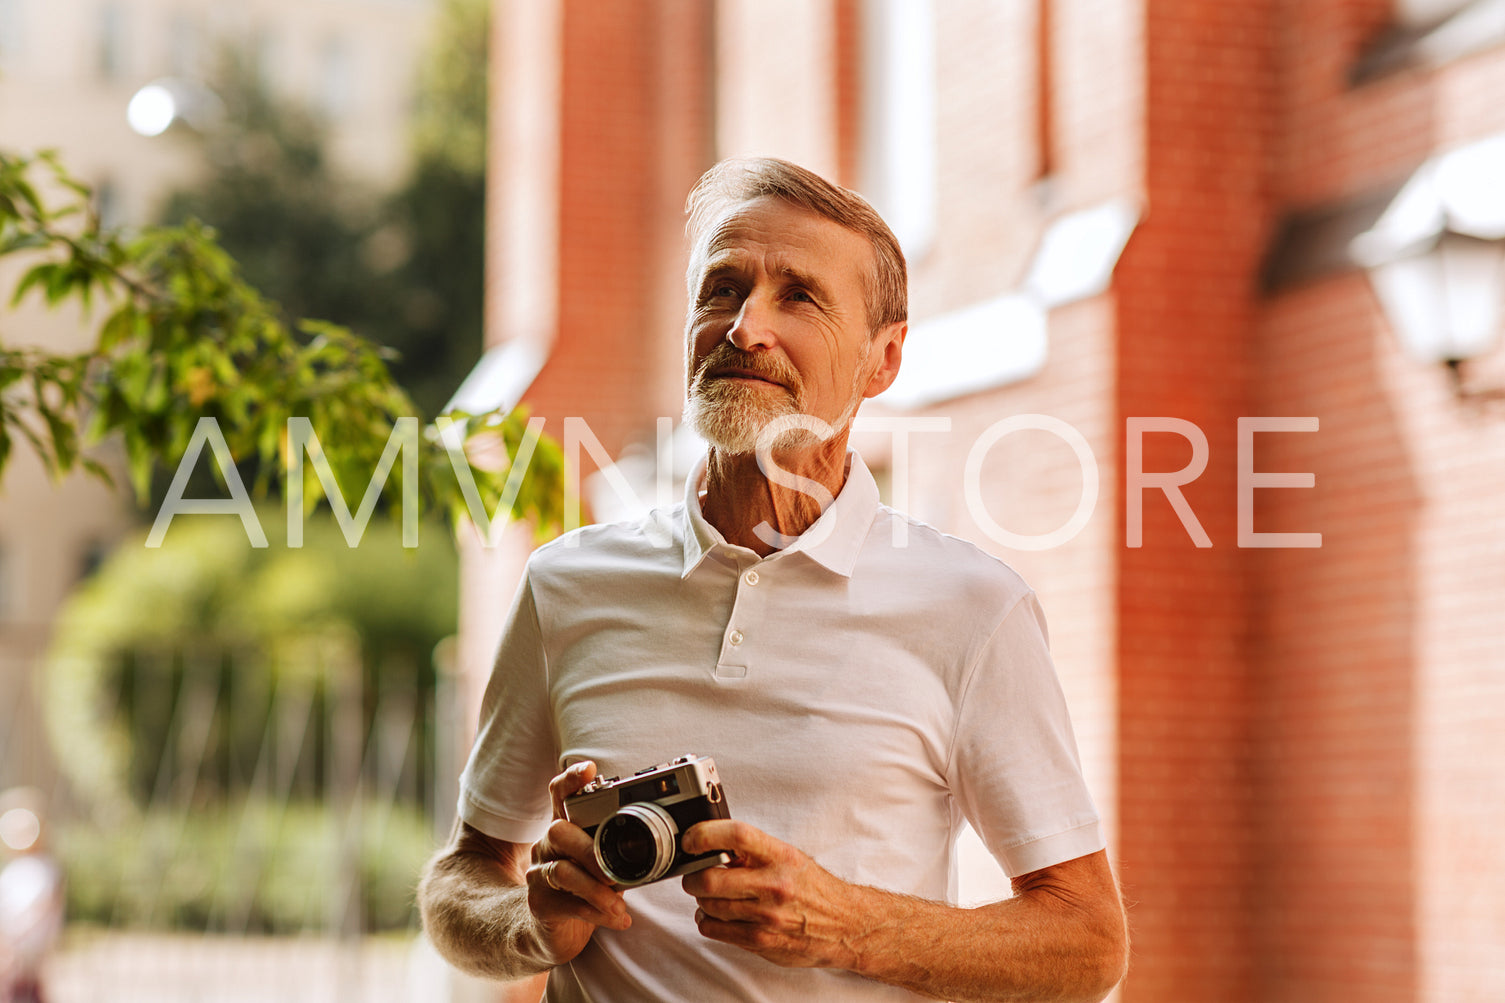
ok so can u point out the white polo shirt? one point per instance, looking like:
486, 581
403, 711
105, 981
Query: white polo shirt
861, 699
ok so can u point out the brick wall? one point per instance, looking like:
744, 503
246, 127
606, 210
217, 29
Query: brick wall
1297, 751
1334, 656
992, 210
1186, 306
1379, 777
633, 137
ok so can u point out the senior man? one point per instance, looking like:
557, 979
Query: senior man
862, 694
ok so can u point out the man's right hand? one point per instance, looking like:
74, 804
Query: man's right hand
508, 911
568, 894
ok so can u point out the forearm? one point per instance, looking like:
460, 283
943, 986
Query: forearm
1060, 938
1032, 947
479, 920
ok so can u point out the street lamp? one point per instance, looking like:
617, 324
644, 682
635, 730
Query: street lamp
1443, 299
1436, 259
155, 107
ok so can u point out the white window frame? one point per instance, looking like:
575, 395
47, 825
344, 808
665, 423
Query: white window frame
1426, 13
899, 118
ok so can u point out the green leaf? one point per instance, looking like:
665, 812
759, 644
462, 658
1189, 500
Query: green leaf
64, 440
28, 195
118, 328
36, 275
10, 374
36, 443
156, 396
61, 280
99, 426
140, 458
93, 466
14, 239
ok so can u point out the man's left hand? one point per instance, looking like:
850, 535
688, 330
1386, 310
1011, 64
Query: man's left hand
773, 900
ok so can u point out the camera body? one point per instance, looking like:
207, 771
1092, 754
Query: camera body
637, 822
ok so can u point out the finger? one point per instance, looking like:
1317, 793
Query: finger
734, 910
570, 879
750, 844
719, 883
567, 783
565, 839
561, 886
745, 935
548, 870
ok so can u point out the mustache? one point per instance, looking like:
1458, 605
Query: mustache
727, 357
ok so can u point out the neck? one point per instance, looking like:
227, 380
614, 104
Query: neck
739, 496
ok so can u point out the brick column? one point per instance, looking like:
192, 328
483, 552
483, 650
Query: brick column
1186, 305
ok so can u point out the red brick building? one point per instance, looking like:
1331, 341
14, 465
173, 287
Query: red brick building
1296, 747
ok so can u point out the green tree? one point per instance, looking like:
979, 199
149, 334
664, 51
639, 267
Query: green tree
185, 337
181, 337
441, 210
405, 268
449, 123
302, 234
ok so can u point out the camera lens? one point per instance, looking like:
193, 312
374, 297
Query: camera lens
637, 844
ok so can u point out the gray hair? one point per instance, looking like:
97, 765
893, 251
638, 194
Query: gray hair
734, 182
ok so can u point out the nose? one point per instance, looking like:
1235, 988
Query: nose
755, 324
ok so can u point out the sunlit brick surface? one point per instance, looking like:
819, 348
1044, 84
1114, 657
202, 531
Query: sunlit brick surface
1298, 751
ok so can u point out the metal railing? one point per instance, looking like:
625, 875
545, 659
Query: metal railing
258, 815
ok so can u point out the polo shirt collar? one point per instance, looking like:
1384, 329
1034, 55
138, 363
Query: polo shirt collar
834, 541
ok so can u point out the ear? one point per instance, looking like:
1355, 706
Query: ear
888, 349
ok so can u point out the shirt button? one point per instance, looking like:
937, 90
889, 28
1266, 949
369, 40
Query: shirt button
751, 578
735, 637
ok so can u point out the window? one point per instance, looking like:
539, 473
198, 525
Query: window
184, 43
111, 56
1045, 131
7, 596
1425, 13
336, 86
1431, 33
12, 31
899, 145
268, 59
107, 203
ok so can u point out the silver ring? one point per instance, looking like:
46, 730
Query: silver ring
548, 875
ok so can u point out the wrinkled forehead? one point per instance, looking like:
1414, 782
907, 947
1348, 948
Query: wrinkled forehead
787, 229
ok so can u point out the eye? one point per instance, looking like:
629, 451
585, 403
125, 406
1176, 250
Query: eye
719, 289
801, 296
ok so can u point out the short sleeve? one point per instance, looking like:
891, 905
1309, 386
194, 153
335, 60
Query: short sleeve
1014, 768
504, 789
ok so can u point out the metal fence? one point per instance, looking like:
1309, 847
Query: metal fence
255, 816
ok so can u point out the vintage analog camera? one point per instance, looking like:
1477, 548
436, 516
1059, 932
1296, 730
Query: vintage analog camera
638, 821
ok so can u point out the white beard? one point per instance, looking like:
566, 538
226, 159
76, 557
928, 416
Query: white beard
730, 415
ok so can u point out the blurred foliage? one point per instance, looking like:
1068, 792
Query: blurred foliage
449, 123
256, 866
440, 211
185, 337
406, 268
190, 323
205, 616
194, 695
301, 234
